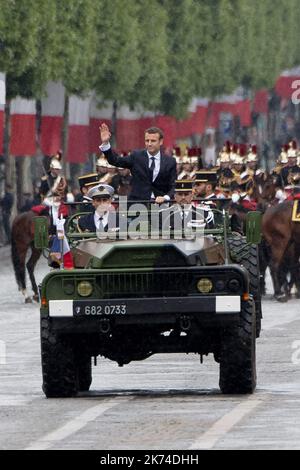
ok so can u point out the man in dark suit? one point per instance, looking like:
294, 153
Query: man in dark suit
103, 218
153, 173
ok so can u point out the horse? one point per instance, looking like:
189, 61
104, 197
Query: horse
283, 238
22, 238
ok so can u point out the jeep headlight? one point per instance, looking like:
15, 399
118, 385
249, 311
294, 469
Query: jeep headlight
84, 288
204, 285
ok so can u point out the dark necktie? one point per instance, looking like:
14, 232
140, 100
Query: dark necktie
101, 227
152, 167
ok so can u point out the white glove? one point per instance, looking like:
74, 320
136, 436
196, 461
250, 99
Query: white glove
235, 198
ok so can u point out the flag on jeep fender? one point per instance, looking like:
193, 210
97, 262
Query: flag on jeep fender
57, 249
60, 246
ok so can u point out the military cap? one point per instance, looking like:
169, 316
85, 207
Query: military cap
183, 186
88, 180
101, 190
206, 176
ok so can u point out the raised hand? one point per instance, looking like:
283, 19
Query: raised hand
105, 134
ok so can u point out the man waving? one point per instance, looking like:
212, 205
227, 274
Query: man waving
153, 173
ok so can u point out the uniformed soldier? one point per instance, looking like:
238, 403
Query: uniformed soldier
205, 186
86, 182
252, 161
103, 217
185, 174
290, 174
245, 193
53, 183
105, 170
184, 213
223, 161
238, 160
224, 183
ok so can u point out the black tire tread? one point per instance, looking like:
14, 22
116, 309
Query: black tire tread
237, 359
58, 364
247, 256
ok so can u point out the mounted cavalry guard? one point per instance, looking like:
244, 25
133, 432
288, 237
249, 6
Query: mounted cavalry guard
53, 191
252, 161
105, 170
53, 183
223, 160
289, 176
238, 160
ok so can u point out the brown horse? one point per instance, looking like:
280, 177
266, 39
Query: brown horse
22, 238
283, 238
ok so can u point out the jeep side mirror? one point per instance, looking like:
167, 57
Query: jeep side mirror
253, 227
41, 233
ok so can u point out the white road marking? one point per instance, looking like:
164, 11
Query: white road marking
224, 425
73, 426
14, 400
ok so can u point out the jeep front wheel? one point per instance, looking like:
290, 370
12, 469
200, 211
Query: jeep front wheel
237, 358
58, 364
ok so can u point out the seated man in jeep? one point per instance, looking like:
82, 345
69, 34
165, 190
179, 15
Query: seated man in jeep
103, 218
183, 214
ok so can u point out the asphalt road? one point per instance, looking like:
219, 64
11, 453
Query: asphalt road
165, 402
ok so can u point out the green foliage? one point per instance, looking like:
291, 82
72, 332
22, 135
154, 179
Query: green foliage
182, 56
75, 44
117, 67
152, 55
158, 54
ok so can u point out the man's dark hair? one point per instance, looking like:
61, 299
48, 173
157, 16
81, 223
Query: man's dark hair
155, 130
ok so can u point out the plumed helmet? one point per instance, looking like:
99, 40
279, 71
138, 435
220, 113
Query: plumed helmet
55, 164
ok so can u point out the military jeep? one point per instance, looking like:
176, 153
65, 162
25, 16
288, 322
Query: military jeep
127, 299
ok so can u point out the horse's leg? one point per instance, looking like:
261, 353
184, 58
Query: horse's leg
296, 270
35, 255
18, 253
264, 261
278, 251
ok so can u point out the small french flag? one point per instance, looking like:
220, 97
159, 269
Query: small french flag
61, 246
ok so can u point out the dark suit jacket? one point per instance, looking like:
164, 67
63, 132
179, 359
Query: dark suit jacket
142, 186
87, 223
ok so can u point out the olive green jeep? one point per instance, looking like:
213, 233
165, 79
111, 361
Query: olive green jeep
127, 299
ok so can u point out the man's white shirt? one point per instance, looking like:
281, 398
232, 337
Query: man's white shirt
102, 222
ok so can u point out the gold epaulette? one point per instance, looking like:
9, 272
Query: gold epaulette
44, 178
236, 173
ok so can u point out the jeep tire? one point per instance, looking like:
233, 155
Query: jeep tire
237, 358
247, 256
58, 364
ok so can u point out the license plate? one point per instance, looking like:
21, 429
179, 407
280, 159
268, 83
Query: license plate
94, 310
